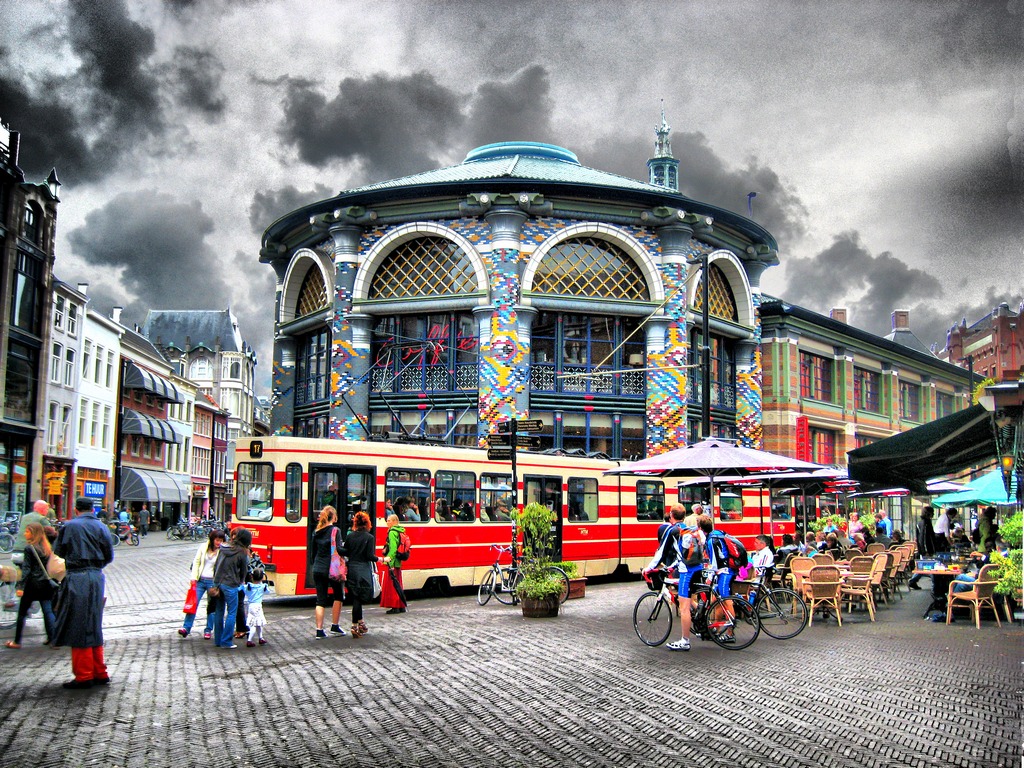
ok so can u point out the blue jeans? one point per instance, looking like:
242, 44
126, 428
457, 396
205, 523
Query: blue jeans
224, 620
201, 586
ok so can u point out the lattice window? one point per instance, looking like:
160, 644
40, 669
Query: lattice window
721, 301
313, 294
589, 267
426, 266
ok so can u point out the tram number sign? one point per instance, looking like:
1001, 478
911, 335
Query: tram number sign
530, 425
499, 454
256, 449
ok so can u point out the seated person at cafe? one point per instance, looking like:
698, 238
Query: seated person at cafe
880, 536
810, 544
762, 558
859, 541
833, 547
788, 548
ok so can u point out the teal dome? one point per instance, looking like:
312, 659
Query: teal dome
525, 148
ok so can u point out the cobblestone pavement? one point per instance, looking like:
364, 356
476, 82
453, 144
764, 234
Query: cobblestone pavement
451, 683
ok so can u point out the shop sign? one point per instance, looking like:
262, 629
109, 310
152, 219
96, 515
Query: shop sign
94, 490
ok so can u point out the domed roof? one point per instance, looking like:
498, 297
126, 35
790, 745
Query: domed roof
519, 160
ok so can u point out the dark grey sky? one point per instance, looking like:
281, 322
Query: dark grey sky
883, 138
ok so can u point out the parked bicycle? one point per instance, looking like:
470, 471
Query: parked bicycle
729, 621
781, 612
501, 580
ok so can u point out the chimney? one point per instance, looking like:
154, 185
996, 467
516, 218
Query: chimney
901, 320
83, 288
838, 314
15, 148
115, 314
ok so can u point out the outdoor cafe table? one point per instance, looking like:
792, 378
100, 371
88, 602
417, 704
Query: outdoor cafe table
941, 579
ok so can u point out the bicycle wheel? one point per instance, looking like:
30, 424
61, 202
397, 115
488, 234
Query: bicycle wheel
505, 591
652, 619
8, 604
170, 533
559, 574
6, 543
486, 590
782, 613
732, 623
135, 540
115, 539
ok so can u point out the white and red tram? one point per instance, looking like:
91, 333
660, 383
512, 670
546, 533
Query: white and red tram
603, 522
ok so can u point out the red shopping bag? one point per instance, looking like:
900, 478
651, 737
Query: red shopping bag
191, 600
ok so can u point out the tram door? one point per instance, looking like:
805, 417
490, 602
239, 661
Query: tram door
348, 490
547, 490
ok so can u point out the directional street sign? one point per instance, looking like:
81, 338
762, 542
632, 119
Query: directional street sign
504, 427
499, 454
499, 440
530, 425
528, 441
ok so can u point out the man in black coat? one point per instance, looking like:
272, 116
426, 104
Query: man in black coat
87, 549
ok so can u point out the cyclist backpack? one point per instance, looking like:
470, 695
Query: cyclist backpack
694, 555
404, 546
729, 551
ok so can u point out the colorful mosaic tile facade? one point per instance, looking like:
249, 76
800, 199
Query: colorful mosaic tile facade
504, 362
666, 384
748, 388
344, 356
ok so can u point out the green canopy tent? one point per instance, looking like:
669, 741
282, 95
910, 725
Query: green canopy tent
987, 489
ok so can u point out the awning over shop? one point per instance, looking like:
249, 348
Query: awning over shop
135, 423
941, 447
139, 378
151, 485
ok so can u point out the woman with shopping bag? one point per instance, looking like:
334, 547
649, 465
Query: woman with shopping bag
363, 584
329, 571
203, 565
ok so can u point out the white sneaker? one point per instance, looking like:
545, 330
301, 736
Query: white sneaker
679, 645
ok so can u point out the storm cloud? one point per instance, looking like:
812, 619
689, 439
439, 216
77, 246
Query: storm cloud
157, 244
197, 77
270, 205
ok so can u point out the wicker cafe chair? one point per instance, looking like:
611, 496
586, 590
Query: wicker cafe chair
857, 587
823, 558
889, 580
799, 567
823, 586
879, 563
875, 548
983, 593
852, 552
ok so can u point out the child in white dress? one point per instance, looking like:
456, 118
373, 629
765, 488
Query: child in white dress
254, 592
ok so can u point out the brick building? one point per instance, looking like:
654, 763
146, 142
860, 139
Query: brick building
993, 347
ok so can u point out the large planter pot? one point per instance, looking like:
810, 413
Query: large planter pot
540, 608
577, 588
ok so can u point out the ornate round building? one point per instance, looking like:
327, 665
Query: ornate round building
517, 284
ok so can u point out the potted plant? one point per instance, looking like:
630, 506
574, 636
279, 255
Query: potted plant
577, 583
1010, 573
538, 591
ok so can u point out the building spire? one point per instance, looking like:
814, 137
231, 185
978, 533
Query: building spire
663, 168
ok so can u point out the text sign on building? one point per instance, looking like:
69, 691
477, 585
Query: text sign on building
94, 490
803, 439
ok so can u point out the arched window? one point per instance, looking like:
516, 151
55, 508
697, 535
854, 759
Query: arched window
199, 369
721, 302
312, 295
586, 266
31, 230
424, 266
235, 372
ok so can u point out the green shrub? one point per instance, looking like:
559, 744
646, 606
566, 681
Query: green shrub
572, 570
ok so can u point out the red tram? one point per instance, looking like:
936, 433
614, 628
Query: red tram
602, 522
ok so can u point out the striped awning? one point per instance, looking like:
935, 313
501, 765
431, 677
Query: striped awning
152, 485
135, 423
139, 378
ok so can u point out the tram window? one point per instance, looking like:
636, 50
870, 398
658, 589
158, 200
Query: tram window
650, 500
456, 496
582, 499
495, 498
254, 491
408, 490
730, 506
293, 493
780, 509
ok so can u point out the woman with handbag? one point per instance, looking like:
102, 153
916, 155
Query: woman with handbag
363, 583
228, 578
328, 571
36, 583
203, 565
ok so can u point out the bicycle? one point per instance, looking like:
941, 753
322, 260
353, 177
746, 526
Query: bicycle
125, 532
6, 542
8, 596
781, 612
500, 581
728, 621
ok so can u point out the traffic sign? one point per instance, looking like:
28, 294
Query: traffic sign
499, 454
528, 441
499, 440
530, 425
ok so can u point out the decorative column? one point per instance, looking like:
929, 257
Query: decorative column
749, 405
350, 349
504, 358
667, 347
282, 404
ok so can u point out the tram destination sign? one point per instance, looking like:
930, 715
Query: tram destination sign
499, 454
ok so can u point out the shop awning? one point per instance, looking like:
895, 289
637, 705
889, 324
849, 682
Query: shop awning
941, 447
139, 378
135, 423
151, 485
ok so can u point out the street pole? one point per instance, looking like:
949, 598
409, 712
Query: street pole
705, 404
